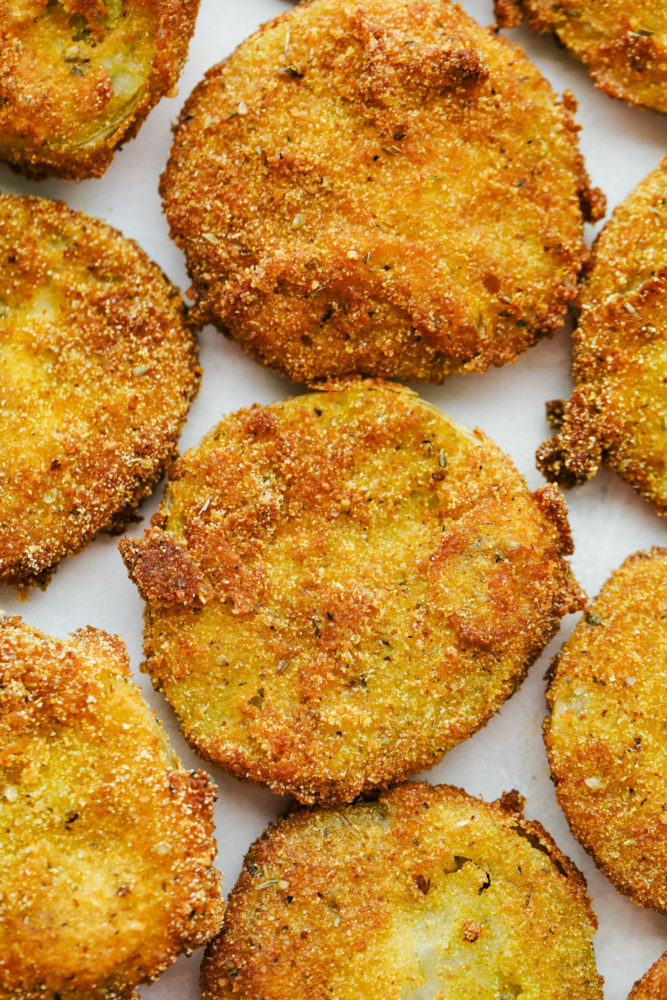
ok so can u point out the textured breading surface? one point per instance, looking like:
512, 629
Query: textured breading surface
426, 894
382, 189
97, 371
622, 42
106, 869
606, 734
617, 414
78, 77
652, 986
343, 586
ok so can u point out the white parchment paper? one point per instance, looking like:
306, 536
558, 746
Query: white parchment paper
621, 145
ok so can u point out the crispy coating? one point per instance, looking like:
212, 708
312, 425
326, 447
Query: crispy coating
343, 586
652, 986
606, 733
381, 189
426, 893
96, 377
106, 868
622, 42
617, 414
78, 77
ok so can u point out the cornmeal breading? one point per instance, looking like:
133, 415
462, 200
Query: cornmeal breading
622, 42
617, 415
606, 734
97, 371
652, 986
78, 77
343, 586
425, 893
383, 189
106, 868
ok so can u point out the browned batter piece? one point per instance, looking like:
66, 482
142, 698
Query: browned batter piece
622, 42
343, 586
652, 986
106, 868
617, 415
97, 371
382, 189
606, 734
78, 77
425, 893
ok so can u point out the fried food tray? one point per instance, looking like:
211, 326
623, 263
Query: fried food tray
620, 145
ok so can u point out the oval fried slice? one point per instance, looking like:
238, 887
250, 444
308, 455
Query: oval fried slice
106, 869
425, 893
97, 371
622, 42
617, 415
341, 587
78, 77
652, 986
606, 734
385, 190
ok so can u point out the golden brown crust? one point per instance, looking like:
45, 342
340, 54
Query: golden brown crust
106, 871
652, 986
424, 892
616, 414
605, 735
343, 586
78, 77
622, 42
324, 226
98, 371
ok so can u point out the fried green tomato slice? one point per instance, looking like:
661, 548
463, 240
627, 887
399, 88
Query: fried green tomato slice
617, 415
426, 893
106, 868
97, 371
622, 42
342, 586
652, 986
78, 77
606, 733
383, 189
